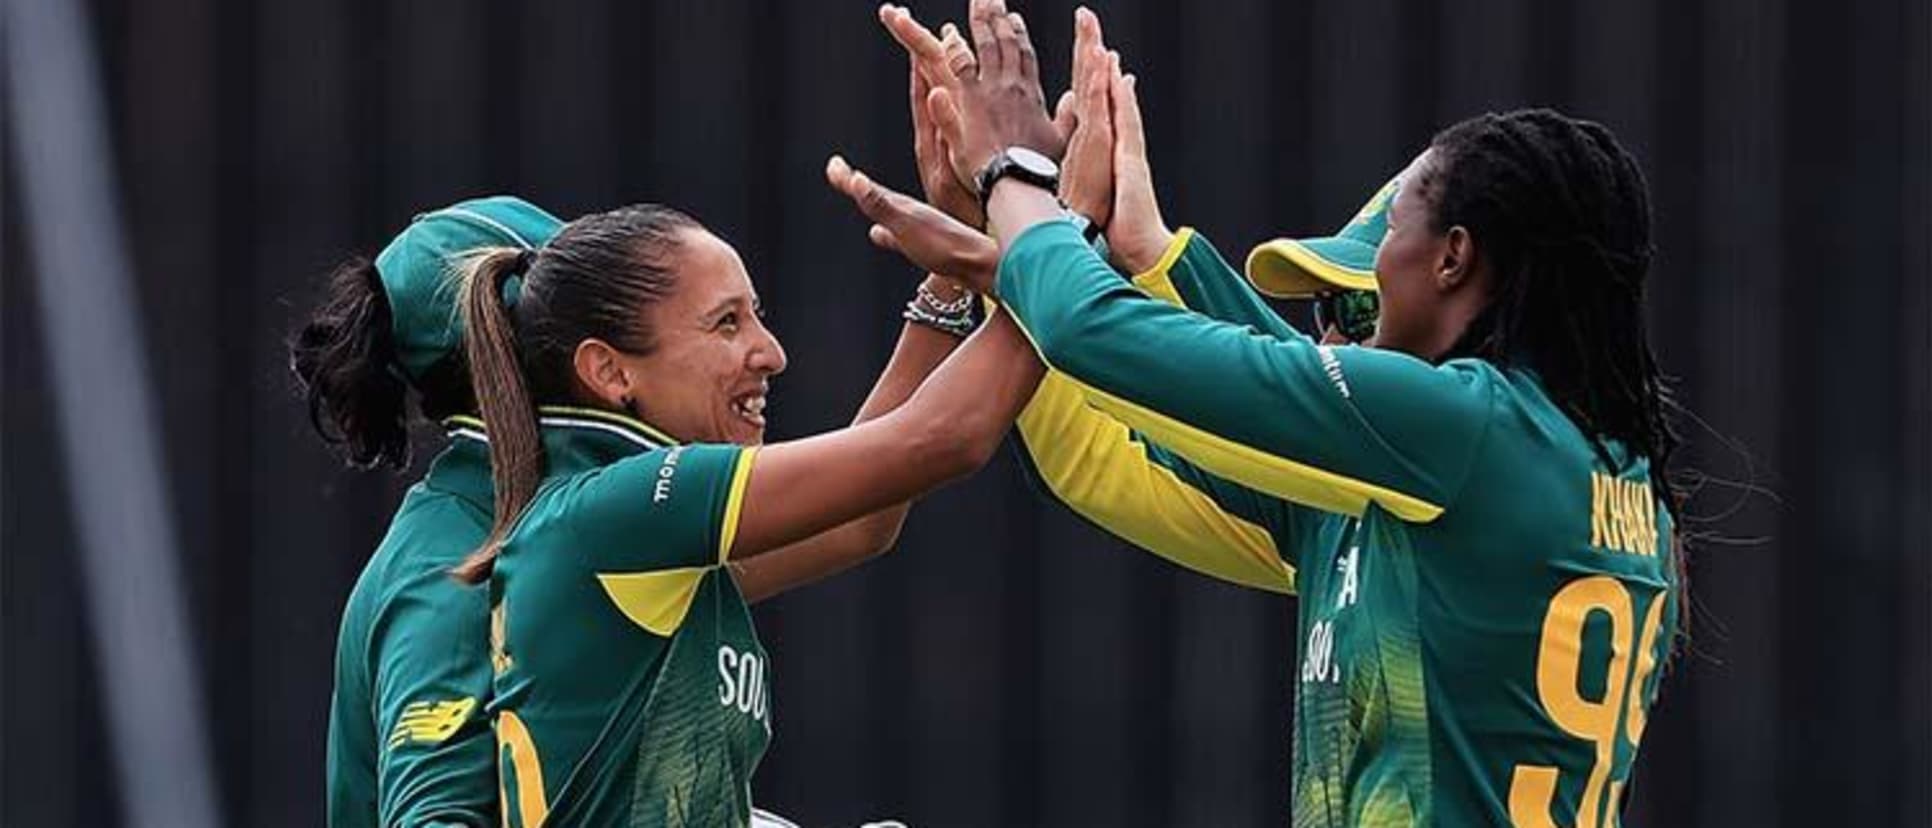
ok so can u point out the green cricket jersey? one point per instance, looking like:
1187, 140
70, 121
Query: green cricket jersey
1144, 493
1483, 601
631, 688
409, 740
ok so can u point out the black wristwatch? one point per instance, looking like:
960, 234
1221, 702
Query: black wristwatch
1021, 163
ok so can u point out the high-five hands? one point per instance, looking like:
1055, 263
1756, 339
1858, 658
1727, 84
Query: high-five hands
1136, 235
944, 189
1087, 172
1104, 173
927, 237
987, 99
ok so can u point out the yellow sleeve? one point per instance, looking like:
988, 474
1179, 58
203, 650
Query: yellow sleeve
1093, 464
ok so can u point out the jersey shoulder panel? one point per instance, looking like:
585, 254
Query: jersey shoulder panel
662, 509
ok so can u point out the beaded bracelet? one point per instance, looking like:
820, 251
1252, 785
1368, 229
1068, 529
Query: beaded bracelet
959, 323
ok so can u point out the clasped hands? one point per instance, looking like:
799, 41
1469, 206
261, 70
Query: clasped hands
971, 101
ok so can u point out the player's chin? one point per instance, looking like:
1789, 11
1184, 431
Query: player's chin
742, 428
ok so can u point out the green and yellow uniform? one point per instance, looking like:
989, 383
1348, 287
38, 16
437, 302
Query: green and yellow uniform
631, 688
1115, 478
1484, 601
409, 738
1145, 494
409, 741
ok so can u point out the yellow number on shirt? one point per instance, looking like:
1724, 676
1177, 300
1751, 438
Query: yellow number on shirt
517, 762
1559, 662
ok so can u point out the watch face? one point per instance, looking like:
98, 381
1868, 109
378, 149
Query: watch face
1033, 162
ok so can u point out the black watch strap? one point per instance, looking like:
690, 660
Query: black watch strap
1021, 164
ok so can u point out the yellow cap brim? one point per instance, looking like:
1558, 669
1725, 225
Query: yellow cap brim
1290, 269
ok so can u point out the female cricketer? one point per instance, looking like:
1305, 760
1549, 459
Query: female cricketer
410, 740
1483, 543
1089, 461
622, 369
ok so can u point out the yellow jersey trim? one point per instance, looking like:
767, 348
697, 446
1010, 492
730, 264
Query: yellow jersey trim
656, 601
1089, 461
735, 503
1287, 479
1155, 280
1301, 483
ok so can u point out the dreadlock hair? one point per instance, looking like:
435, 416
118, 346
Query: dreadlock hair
589, 281
1562, 212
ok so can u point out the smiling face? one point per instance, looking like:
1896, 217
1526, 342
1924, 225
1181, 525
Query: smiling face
706, 377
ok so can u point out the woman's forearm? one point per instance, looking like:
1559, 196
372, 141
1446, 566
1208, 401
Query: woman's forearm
920, 349
984, 402
1013, 207
950, 427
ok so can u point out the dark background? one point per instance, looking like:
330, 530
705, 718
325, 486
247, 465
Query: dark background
1008, 665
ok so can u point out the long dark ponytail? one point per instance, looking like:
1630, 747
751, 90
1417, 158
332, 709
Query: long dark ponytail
590, 281
490, 343
342, 358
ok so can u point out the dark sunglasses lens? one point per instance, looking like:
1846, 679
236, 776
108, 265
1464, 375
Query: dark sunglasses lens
1351, 313
1356, 312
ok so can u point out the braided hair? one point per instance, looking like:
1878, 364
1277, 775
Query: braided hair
1562, 213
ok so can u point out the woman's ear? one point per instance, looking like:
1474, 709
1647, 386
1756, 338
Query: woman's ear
600, 371
1457, 263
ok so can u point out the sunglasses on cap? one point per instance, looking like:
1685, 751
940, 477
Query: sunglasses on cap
1352, 313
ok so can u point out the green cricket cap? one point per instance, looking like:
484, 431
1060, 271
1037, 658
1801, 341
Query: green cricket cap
419, 270
1298, 268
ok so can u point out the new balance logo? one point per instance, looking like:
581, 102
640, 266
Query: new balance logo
430, 722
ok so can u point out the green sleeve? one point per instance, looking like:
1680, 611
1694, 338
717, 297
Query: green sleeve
436, 754
1145, 494
352, 736
1336, 429
1192, 274
674, 508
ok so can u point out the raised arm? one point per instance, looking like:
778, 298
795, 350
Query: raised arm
920, 349
1145, 494
949, 428
1333, 428
1085, 459
1191, 274
1100, 470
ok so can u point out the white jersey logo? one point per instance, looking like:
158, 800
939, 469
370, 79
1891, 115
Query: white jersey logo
661, 489
741, 684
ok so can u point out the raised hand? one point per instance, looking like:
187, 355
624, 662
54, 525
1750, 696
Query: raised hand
943, 189
927, 237
934, 60
1000, 104
1136, 235
1087, 173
